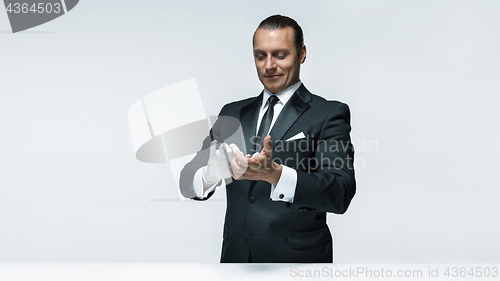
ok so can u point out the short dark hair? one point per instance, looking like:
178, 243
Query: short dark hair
277, 22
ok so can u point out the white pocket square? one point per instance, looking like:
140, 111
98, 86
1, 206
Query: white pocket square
297, 136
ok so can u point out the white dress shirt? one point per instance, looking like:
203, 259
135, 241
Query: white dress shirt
285, 188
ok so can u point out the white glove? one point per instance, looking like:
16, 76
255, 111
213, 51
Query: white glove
234, 149
218, 164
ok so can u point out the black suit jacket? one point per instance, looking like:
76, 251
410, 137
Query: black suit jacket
276, 231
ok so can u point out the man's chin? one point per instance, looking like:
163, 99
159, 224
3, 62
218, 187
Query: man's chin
273, 88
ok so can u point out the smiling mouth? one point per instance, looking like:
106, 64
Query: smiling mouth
273, 76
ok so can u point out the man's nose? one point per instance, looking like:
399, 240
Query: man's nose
270, 63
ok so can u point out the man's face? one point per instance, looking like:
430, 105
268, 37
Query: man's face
276, 59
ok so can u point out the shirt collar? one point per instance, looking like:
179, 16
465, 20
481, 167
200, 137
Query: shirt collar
284, 96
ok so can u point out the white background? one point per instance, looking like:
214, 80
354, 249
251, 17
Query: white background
422, 80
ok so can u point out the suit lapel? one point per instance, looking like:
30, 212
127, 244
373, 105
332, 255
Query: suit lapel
293, 109
248, 119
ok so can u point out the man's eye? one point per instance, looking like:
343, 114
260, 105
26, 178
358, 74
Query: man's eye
260, 57
281, 56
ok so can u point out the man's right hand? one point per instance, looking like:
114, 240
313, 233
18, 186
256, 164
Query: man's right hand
218, 163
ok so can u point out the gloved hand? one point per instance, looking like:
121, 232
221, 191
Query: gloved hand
218, 163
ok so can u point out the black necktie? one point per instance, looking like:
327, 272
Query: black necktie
265, 124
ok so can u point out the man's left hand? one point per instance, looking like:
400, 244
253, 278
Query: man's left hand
259, 167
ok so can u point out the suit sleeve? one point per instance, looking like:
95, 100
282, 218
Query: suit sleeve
328, 184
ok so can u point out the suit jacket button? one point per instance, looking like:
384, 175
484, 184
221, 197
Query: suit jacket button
281, 196
251, 199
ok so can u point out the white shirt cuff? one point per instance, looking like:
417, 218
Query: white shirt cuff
198, 184
285, 189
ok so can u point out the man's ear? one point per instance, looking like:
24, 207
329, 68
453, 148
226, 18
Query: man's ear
303, 54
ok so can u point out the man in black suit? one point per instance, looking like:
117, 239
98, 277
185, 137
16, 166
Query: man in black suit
278, 197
